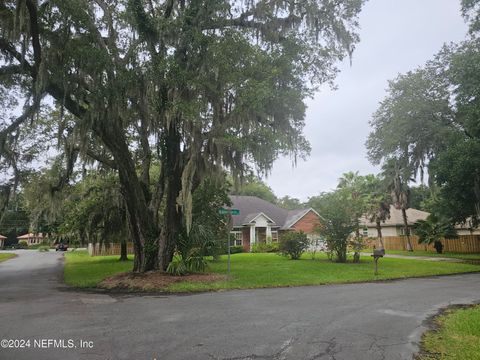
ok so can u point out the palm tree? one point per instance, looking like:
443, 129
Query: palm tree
398, 174
433, 229
378, 204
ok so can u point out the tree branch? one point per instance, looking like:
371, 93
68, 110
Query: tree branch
37, 50
10, 70
8, 48
101, 159
29, 111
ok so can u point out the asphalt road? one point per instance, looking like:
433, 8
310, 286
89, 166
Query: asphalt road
359, 321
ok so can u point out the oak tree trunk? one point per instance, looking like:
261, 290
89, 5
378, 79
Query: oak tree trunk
172, 217
123, 250
141, 224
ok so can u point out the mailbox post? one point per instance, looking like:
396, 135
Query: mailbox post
377, 254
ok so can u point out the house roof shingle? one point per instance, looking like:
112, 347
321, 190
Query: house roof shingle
30, 235
396, 217
251, 206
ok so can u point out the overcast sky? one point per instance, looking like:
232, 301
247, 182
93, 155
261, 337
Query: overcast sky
396, 36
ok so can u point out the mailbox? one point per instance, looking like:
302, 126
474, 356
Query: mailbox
378, 253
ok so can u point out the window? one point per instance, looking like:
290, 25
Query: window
274, 236
365, 231
236, 238
401, 231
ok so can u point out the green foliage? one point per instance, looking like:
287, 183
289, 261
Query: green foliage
193, 263
412, 122
208, 228
38, 246
434, 229
337, 223
177, 267
357, 189
265, 247
44, 248
421, 196
378, 200
289, 203
193, 87
15, 219
293, 244
429, 120
254, 186
471, 13
92, 209
397, 174
22, 245
236, 249
456, 171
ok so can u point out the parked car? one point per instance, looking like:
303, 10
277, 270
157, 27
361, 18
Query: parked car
61, 247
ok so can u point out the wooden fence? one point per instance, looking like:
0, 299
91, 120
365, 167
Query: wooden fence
108, 249
463, 244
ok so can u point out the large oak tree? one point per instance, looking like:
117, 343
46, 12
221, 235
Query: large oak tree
193, 86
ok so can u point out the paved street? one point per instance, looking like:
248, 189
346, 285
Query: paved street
360, 321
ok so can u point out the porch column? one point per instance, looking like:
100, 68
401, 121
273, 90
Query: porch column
252, 236
269, 234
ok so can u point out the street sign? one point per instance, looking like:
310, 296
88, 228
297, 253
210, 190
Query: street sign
223, 211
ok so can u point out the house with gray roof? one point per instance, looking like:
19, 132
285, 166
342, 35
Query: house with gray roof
260, 221
393, 226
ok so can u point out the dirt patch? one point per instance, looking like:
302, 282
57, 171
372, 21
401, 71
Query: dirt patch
154, 280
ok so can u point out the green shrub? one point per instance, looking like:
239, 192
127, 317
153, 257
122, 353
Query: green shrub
44, 248
265, 248
293, 244
38, 246
193, 263
177, 267
236, 249
22, 245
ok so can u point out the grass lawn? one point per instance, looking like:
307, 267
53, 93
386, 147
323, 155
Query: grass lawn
462, 256
4, 256
83, 270
266, 270
457, 336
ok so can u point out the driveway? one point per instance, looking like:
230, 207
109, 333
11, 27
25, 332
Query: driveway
359, 321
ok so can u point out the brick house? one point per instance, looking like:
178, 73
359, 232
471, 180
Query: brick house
261, 221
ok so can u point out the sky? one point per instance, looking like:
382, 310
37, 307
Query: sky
395, 36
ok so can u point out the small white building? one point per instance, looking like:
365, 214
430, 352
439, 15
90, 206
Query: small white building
394, 225
2, 241
32, 239
467, 228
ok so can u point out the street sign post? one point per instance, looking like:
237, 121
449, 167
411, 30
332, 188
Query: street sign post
230, 212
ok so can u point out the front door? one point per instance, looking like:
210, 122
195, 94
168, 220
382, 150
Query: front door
261, 235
